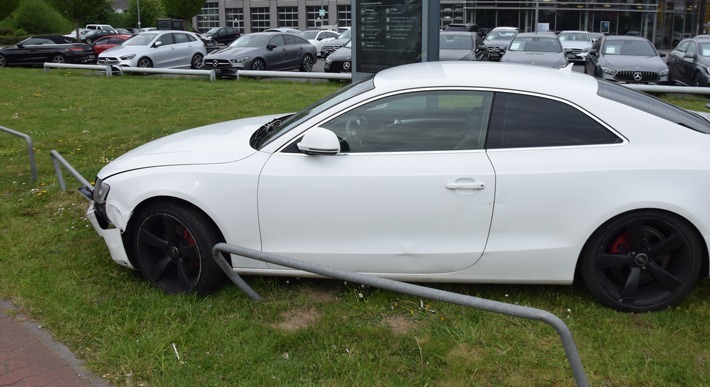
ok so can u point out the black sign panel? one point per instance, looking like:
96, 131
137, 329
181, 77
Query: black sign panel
389, 33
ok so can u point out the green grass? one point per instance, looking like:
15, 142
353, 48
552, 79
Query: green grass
305, 332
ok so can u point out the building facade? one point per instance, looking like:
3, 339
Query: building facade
664, 22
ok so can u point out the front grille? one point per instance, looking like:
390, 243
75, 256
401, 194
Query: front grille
107, 60
217, 63
637, 76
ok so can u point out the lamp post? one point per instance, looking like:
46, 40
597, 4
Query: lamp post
138, 14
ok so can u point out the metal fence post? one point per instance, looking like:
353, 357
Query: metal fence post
30, 149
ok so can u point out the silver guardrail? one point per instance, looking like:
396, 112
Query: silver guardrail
668, 89
293, 74
406, 288
30, 149
121, 69
58, 162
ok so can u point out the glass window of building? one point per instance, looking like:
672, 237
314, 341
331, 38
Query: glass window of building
235, 18
260, 20
288, 17
313, 19
208, 16
344, 16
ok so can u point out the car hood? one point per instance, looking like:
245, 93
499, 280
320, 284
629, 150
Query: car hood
547, 59
232, 52
631, 62
446, 54
218, 143
496, 43
569, 44
341, 54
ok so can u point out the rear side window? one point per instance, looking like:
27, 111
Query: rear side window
525, 121
652, 105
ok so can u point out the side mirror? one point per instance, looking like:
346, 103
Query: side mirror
270, 46
319, 141
158, 44
662, 54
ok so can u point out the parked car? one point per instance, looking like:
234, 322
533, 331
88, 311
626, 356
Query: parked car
318, 38
263, 51
576, 44
93, 35
689, 62
595, 36
332, 45
223, 35
159, 48
627, 59
36, 50
521, 174
288, 30
454, 45
104, 43
538, 49
82, 33
497, 40
340, 61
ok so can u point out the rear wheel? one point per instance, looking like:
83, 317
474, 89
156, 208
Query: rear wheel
307, 64
58, 59
3, 61
698, 79
642, 261
144, 62
172, 247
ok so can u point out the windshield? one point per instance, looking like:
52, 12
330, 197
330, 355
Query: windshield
501, 35
455, 42
575, 37
212, 31
250, 41
628, 47
140, 40
344, 35
327, 102
536, 44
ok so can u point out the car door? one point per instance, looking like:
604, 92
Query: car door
410, 192
689, 63
675, 62
34, 51
183, 49
277, 54
164, 53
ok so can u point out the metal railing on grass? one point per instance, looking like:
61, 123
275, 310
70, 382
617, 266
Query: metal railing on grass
293, 74
59, 161
120, 70
30, 149
401, 287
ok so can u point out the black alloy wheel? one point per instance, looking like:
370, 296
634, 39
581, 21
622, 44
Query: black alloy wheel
306, 64
172, 247
3, 61
59, 58
144, 62
258, 64
642, 261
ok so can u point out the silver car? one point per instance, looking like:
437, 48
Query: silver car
497, 40
539, 49
263, 51
576, 44
164, 49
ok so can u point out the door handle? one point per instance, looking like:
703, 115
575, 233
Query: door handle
466, 185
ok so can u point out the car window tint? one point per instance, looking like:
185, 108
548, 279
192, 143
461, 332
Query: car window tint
683, 46
277, 41
691, 49
652, 105
438, 120
181, 38
522, 121
166, 39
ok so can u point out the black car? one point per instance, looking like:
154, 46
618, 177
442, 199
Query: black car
36, 50
223, 35
688, 63
467, 27
96, 34
340, 61
626, 59
330, 46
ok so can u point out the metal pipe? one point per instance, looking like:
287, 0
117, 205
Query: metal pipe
30, 149
57, 159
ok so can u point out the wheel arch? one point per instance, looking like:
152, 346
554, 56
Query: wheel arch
705, 265
126, 235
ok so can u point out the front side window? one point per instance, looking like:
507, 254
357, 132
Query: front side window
524, 121
437, 120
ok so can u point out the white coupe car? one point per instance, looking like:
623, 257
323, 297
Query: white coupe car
468, 172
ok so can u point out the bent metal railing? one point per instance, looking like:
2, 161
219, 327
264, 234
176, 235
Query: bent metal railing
30, 149
58, 161
402, 287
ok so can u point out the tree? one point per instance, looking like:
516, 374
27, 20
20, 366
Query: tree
7, 7
150, 10
182, 9
77, 10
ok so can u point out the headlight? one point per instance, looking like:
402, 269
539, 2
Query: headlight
128, 57
663, 72
609, 71
100, 191
240, 60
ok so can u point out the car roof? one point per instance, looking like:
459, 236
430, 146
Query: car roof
541, 34
526, 78
624, 37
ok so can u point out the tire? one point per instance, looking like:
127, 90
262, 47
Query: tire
197, 61
144, 62
642, 261
172, 247
258, 64
306, 64
3, 61
58, 59
698, 79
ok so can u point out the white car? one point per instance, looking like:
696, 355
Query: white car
469, 172
576, 44
160, 48
318, 37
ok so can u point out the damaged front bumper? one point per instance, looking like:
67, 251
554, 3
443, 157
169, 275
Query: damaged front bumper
112, 237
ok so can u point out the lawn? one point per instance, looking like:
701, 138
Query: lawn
304, 332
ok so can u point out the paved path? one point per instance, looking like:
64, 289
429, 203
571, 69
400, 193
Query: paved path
29, 356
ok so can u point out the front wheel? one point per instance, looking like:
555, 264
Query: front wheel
172, 247
698, 79
642, 261
3, 61
197, 61
306, 64
258, 64
144, 62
